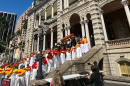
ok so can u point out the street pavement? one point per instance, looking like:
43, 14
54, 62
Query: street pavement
113, 84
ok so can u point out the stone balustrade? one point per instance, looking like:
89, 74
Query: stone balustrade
118, 42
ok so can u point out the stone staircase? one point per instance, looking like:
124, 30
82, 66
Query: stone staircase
75, 66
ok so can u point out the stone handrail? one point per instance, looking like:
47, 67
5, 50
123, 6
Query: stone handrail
68, 64
123, 41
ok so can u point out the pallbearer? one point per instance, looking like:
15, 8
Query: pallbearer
12, 75
68, 52
27, 74
21, 77
21, 62
73, 49
44, 66
57, 60
78, 50
26, 61
50, 60
31, 59
83, 49
62, 54
86, 44
34, 67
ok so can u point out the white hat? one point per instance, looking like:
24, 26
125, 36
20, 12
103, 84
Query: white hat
38, 52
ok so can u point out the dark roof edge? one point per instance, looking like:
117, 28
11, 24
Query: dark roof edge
38, 6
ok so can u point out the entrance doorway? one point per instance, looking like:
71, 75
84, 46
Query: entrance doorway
75, 25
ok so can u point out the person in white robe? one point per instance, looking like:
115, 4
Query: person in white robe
78, 50
34, 67
12, 75
26, 61
68, 54
21, 63
27, 74
50, 60
73, 49
82, 46
21, 78
56, 58
86, 44
62, 54
31, 60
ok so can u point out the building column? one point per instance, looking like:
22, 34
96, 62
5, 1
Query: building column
65, 31
35, 21
40, 18
61, 7
38, 43
103, 25
62, 33
125, 3
33, 44
68, 29
52, 15
64, 4
44, 43
51, 37
87, 32
82, 27
45, 14
67, 3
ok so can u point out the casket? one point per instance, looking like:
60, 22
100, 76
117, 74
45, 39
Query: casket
67, 37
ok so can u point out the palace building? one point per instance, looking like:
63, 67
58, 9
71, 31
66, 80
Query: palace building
108, 21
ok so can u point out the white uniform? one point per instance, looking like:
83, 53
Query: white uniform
62, 57
27, 75
31, 61
87, 47
26, 62
56, 62
78, 52
50, 64
34, 74
22, 80
13, 78
68, 56
83, 48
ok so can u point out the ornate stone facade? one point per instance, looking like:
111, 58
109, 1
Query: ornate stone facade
87, 18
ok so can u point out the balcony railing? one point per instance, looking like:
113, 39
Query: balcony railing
118, 42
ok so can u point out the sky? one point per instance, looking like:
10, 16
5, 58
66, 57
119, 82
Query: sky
15, 6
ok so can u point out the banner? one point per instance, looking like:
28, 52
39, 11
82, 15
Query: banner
5, 82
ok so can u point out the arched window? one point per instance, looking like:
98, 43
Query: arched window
125, 68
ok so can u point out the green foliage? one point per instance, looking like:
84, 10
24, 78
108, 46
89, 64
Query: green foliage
2, 46
25, 22
4, 24
18, 33
19, 46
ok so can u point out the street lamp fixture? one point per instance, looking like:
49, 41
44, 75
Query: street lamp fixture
42, 28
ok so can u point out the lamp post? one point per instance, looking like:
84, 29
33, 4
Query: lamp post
43, 30
21, 48
13, 55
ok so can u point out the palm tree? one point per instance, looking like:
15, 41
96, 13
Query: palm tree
18, 33
25, 23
